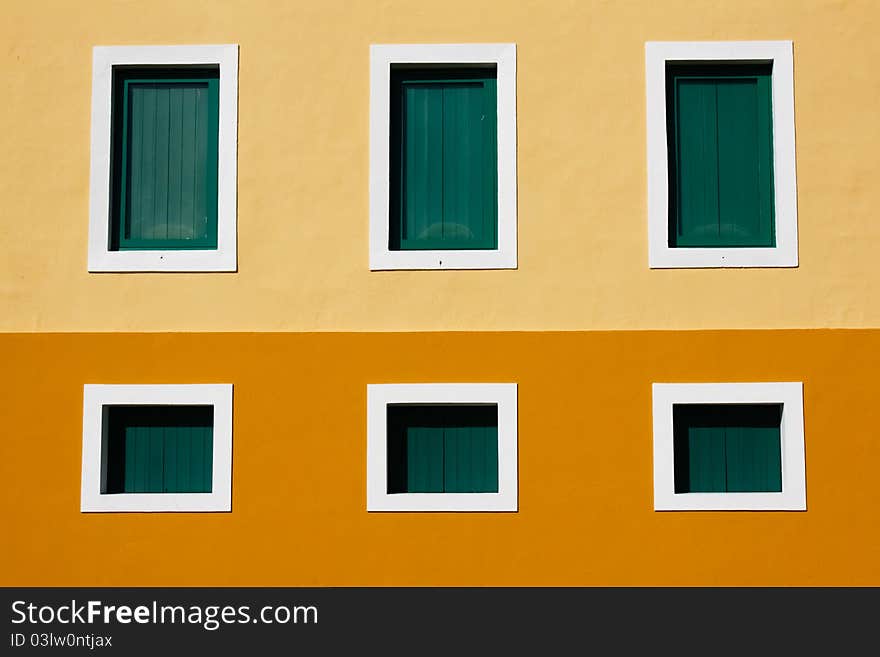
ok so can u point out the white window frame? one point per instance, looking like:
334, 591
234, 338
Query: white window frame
382, 57
96, 399
379, 396
779, 53
224, 257
790, 395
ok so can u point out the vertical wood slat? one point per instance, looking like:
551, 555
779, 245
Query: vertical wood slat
489, 153
765, 232
184, 463
455, 459
171, 460
165, 159
142, 456
720, 155
206, 454
188, 148
156, 465
173, 207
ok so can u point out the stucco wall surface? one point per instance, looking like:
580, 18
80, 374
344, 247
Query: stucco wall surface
303, 169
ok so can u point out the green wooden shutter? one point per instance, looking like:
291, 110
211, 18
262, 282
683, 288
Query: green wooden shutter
160, 449
444, 163
727, 448
754, 459
165, 159
471, 459
719, 124
706, 460
442, 449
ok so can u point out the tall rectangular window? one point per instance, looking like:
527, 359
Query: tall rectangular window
722, 188
163, 183
443, 156
444, 169
164, 179
720, 145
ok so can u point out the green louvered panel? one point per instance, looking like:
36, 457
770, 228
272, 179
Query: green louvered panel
471, 459
424, 459
754, 459
706, 463
444, 159
160, 449
165, 156
727, 448
442, 449
721, 156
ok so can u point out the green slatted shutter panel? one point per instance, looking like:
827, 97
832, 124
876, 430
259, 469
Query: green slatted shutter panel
719, 125
471, 442
165, 159
160, 449
707, 464
444, 163
754, 459
732, 448
424, 467
442, 449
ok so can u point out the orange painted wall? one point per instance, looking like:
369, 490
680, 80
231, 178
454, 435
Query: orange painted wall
585, 466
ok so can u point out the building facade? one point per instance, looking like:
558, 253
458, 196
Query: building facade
303, 314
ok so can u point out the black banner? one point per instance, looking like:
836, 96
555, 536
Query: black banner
178, 621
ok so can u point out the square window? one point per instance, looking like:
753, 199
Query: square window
164, 122
729, 446
443, 156
441, 447
721, 183
157, 448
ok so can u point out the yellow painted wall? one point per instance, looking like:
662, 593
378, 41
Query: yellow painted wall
299, 475
303, 169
